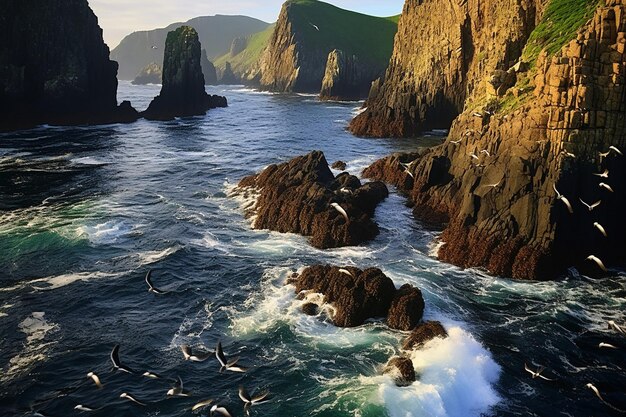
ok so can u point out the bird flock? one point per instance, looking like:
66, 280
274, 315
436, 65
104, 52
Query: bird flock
538, 373
178, 389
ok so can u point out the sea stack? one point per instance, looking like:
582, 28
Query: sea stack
343, 79
151, 74
208, 69
182, 93
53, 72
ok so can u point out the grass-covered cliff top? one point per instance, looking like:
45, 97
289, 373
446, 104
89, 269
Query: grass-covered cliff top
250, 55
368, 37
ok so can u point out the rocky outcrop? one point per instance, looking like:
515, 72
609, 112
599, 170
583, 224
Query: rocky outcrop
343, 78
426, 87
339, 165
424, 333
208, 69
400, 368
238, 46
55, 73
494, 181
406, 309
302, 196
308, 31
151, 74
182, 93
356, 295
227, 76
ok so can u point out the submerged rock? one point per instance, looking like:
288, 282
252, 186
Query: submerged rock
151, 74
302, 196
54, 72
406, 309
310, 309
356, 295
400, 368
423, 334
182, 93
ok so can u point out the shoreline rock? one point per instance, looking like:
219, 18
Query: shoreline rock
182, 93
424, 333
67, 79
401, 369
302, 196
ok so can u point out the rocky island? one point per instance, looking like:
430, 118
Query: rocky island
182, 93
55, 73
536, 121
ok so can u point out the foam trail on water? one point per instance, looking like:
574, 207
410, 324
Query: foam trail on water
35, 348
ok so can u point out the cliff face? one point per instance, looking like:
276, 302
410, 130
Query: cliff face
151, 74
52, 72
441, 56
227, 76
208, 69
494, 181
182, 93
307, 31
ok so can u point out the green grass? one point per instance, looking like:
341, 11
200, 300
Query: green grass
249, 56
368, 37
559, 25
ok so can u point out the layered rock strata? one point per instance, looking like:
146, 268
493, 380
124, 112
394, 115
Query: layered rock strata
303, 196
343, 78
494, 182
426, 86
182, 93
52, 72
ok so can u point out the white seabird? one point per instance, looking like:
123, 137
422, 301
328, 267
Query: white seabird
600, 228
194, 357
564, 199
131, 398
225, 363
604, 174
607, 345
598, 262
345, 271
592, 206
221, 410
341, 211
115, 358
605, 186
177, 390
201, 404
151, 287
537, 373
617, 151
249, 401
95, 379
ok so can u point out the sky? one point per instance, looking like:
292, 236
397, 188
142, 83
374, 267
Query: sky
118, 18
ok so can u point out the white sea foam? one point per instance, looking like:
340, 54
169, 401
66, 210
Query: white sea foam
105, 233
58, 281
35, 348
192, 327
87, 160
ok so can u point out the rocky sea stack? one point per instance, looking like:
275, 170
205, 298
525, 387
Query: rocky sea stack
182, 93
303, 196
533, 127
151, 74
53, 72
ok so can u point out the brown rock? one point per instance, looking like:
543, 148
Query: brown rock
401, 369
340, 165
297, 197
310, 309
424, 333
407, 308
356, 296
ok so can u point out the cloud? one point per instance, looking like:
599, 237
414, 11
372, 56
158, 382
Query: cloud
118, 18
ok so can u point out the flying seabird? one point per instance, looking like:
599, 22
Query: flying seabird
341, 211
131, 398
563, 199
537, 373
225, 363
600, 228
607, 345
616, 327
617, 151
569, 154
456, 142
486, 152
151, 287
597, 261
605, 174
345, 271
177, 390
155, 47
595, 390
95, 379
592, 206
476, 114
604, 155
195, 357
492, 185
250, 401
314, 26
473, 156
81, 407
152, 375
346, 191
217, 409
409, 173
606, 186
201, 404
115, 358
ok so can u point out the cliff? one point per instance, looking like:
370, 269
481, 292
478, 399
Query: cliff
151, 74
208, 69
494, 182
227, 76
426, 87
216, 34
182, 93
307, 31
55, 73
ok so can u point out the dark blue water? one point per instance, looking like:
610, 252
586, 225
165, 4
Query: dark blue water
85, 212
